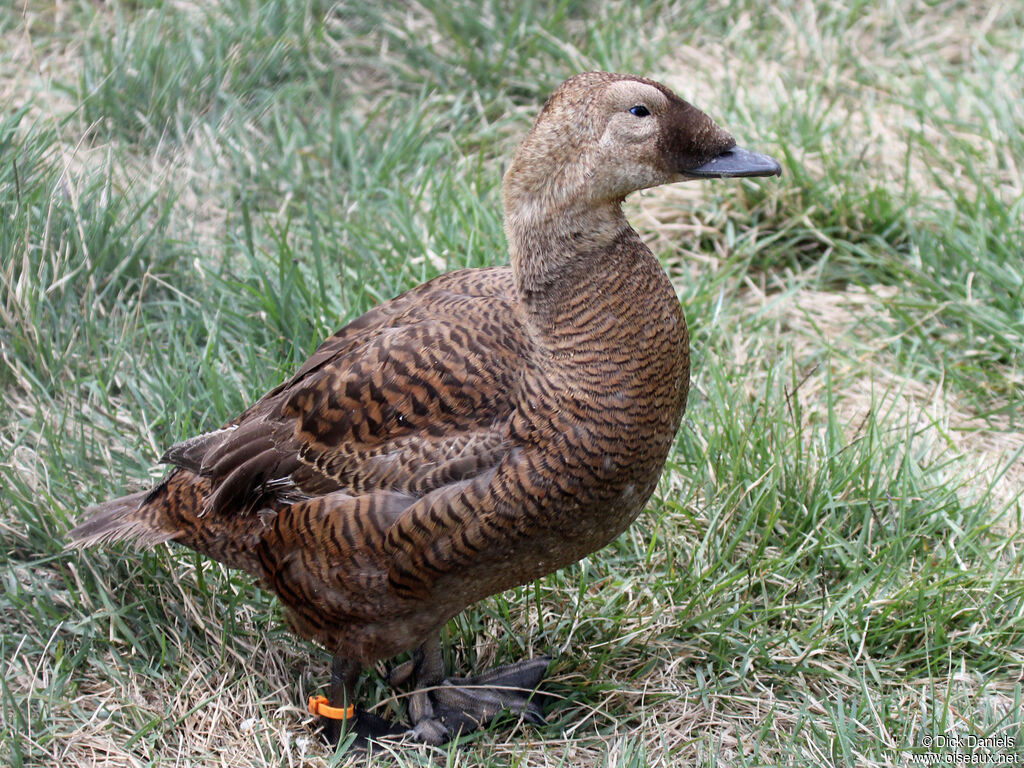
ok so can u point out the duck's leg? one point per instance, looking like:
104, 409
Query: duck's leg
442, 707
340, 714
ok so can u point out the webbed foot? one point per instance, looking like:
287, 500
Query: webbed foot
465, 704
339, 718
367, 727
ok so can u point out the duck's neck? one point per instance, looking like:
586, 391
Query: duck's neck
549, 248
587, 282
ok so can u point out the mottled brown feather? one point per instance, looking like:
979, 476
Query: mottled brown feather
477, 432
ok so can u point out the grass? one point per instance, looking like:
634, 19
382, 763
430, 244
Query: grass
832, 569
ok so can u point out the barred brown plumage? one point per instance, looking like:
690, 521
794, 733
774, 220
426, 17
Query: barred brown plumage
477, 432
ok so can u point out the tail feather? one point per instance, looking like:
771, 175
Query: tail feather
122, 519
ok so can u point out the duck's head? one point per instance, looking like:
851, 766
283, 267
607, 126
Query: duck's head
601, 136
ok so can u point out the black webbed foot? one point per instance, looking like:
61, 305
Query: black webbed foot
339, 719
466, 704
440, 709
367, 727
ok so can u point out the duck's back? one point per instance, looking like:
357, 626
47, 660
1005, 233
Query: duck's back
412, 396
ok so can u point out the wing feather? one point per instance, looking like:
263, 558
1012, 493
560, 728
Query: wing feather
410, 397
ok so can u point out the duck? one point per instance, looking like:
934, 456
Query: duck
475, 433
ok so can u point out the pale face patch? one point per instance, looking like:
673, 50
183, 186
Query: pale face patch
628, 155
626, 127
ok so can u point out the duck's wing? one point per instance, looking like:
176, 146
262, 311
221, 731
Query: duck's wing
414, 395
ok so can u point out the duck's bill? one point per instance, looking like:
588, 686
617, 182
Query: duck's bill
736, 162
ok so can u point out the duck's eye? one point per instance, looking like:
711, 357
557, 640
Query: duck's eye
639, 110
